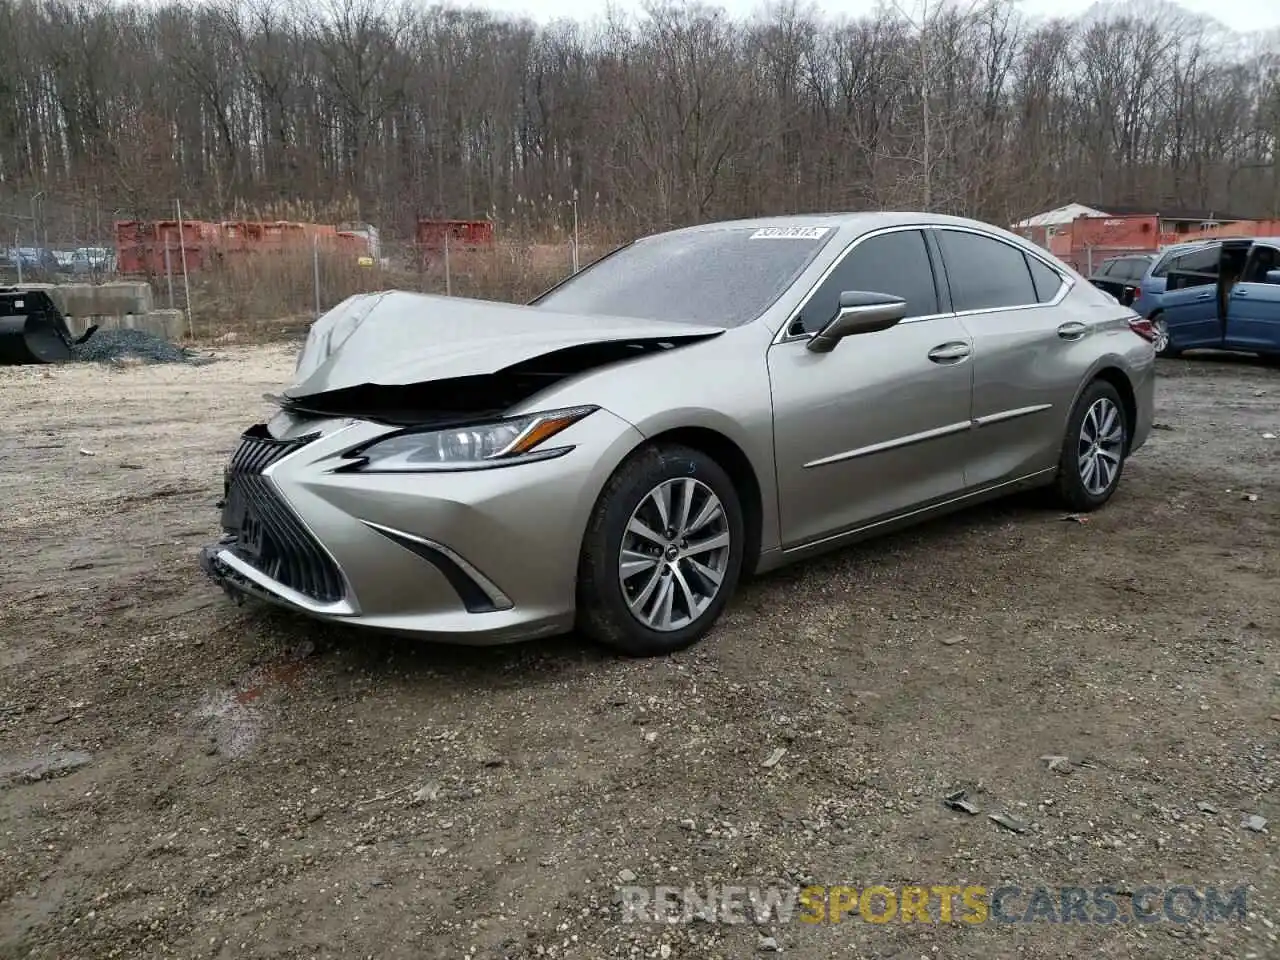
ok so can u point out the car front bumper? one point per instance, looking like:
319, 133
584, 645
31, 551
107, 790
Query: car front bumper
478, 556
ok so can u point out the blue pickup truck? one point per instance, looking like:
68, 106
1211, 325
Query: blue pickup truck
1220, 294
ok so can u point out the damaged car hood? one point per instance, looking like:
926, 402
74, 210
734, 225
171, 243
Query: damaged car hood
398, 339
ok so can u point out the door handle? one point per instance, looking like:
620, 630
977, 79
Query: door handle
1072, 330
951, 352
1239, 293
1205, 296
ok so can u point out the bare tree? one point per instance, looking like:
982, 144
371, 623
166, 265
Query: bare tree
675, 115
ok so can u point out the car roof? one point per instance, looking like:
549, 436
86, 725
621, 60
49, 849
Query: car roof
1206, 241
859, 221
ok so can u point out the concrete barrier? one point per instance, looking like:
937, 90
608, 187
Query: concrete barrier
120, 298
170, 324
123, 297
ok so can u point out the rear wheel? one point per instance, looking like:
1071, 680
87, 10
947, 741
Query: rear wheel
1093, 452
1164, 346
662, 553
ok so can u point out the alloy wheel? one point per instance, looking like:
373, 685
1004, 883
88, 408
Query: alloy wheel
1101, 446
674, 554
1161, 341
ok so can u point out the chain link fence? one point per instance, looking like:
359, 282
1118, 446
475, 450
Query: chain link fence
268, 293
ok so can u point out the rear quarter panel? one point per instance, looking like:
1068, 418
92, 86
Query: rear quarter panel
1112, 346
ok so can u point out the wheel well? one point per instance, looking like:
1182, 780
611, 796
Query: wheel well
735, 463
1117, 379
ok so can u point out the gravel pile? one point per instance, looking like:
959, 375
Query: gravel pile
115, 346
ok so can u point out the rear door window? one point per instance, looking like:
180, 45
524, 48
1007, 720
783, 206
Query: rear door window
985, 273
1261, 260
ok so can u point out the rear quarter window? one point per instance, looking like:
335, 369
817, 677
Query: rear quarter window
1047, 280
1138, 268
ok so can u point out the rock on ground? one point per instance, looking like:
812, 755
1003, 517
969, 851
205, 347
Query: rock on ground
123, 346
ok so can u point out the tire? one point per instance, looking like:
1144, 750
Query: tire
1078, 488
1162, 335
635, 491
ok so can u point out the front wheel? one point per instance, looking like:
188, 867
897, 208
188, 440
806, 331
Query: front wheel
1093, 452
662, 552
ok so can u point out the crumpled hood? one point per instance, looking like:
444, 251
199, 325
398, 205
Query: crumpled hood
398, 338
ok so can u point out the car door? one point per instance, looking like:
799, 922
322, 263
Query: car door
1151, 285
1030, 355
872, 428
1253, 309
1189, 305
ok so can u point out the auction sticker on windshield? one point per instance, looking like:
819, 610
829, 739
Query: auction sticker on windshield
790, 233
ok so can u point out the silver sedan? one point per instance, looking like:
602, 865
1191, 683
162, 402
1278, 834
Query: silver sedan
696, 406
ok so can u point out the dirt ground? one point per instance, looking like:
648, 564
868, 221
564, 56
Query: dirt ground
224, 782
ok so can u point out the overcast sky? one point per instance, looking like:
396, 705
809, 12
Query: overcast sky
1241, 15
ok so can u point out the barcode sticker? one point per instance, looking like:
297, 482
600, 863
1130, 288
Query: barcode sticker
790, 233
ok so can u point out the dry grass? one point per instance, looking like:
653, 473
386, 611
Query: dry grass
265, 297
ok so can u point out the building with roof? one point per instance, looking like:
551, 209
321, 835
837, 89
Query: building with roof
1084, 233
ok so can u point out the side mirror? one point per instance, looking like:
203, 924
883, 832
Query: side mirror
860, 312
1273, 276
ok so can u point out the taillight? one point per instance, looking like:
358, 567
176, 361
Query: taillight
1137, 293
1143, 328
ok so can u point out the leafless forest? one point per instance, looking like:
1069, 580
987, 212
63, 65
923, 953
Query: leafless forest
365, 108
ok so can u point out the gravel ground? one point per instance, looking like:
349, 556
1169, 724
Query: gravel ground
132, 347
180, 776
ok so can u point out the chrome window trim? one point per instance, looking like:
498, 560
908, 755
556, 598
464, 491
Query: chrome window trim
1068, 283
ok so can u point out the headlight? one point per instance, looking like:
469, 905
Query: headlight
470, 447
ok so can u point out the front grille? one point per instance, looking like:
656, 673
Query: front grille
264, 532
259, 450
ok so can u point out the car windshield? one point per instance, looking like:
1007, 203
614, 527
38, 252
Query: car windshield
724, 277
